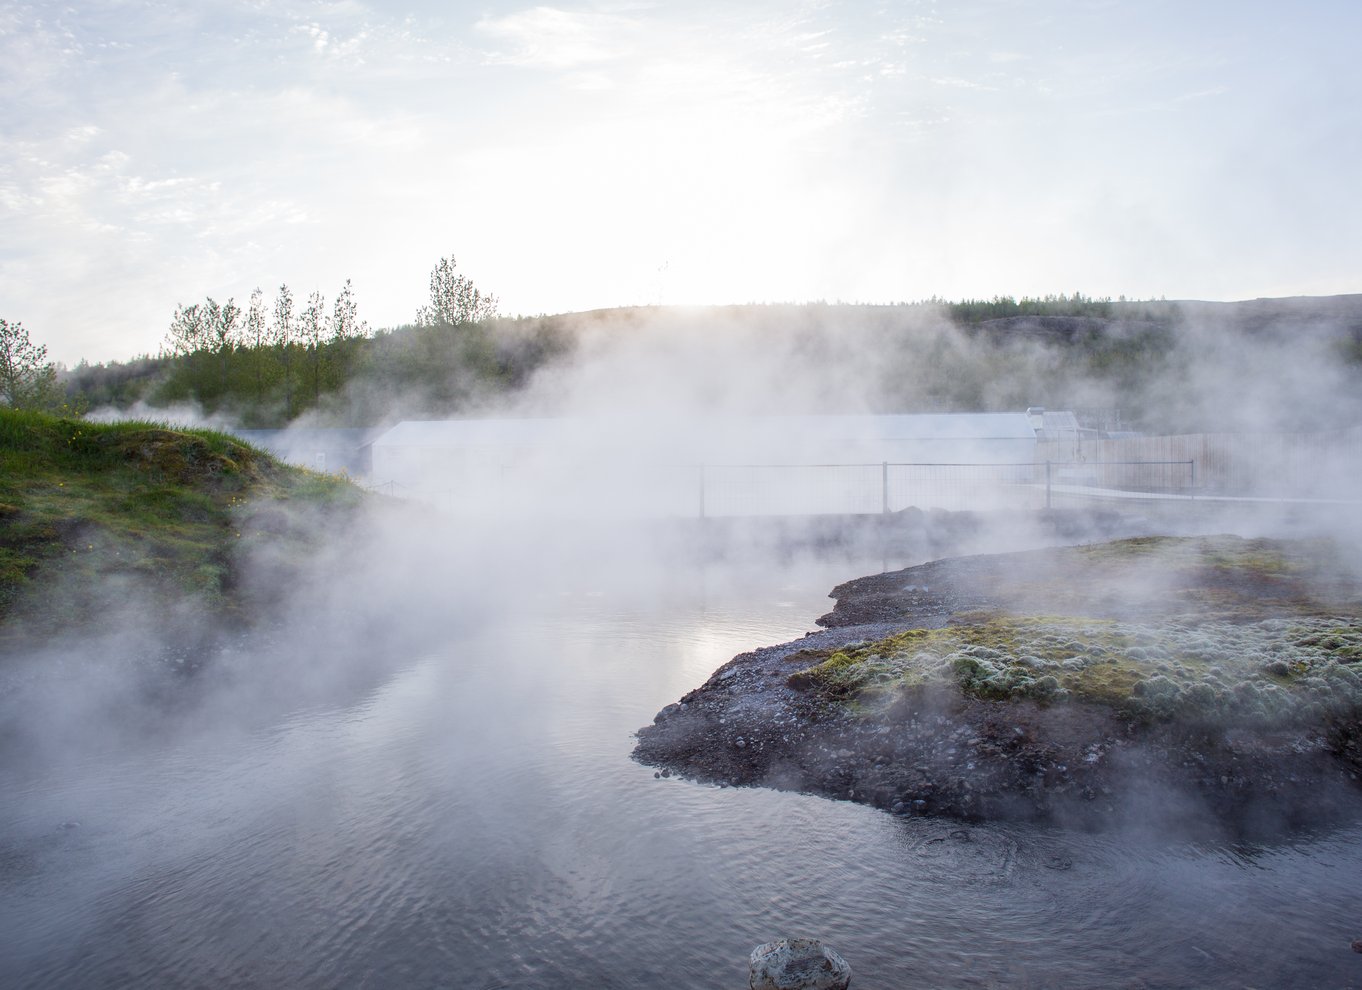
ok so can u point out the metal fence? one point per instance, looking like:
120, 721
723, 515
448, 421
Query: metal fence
625, 487
857, 489
730, 490
1262, 465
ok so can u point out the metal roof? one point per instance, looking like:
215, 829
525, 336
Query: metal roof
848, 428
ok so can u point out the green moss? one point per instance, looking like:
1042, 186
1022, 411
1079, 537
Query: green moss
87, 506
1133, 547
1265, 673
1341, 642
1212, 569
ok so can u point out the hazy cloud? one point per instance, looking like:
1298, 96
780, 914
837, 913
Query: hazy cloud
548, 37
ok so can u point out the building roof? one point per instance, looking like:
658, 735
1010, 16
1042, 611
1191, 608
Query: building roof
825, 429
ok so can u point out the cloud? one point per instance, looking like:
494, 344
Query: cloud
955, 82
546, 37
769, 150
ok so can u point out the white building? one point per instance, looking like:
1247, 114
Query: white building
758, 465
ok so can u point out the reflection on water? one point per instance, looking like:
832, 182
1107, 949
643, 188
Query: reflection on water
475, 821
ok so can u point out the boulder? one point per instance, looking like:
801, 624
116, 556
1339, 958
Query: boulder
798, 964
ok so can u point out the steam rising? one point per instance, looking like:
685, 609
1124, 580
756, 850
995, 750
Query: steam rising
640, 390
661, 390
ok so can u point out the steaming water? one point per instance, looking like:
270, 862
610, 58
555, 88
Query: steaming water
473, 820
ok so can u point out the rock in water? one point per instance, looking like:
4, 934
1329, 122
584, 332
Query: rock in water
798, 964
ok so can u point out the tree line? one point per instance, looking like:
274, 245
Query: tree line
286, 355
967, 312
270, 360
266, 352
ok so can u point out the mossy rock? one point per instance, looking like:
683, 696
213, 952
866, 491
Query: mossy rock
1209, 629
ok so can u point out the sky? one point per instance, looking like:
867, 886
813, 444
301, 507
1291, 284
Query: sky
585, 155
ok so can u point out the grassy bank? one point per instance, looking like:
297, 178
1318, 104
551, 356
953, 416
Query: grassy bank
98, 519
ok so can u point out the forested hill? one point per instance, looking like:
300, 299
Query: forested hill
1060, 351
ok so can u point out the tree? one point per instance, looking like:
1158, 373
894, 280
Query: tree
345, 321
283, 339
256, 333
27, 378
188, 329
187, 336
223, 328
223, 331
454, 300
312, 327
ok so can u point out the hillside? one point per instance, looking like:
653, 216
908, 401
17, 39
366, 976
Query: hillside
136, 522
1153, 361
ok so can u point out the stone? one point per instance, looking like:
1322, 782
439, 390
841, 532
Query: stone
798, 964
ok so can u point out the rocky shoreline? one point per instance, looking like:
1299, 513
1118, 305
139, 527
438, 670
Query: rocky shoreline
1079, 686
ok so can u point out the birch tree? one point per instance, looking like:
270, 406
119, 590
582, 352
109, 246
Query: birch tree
27, 378
454, 299
282, 336
345, 321
222, 332
312, 325
188, 330
257, 336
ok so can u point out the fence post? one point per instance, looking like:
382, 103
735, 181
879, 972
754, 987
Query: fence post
884, 483
702, 491
1047, 484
